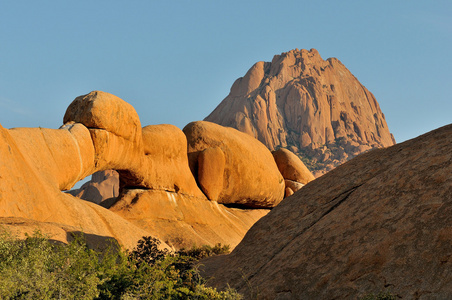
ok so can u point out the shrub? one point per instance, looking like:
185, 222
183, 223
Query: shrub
204, 251
36, 268
148, 251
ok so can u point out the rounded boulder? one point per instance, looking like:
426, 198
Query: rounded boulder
250, 175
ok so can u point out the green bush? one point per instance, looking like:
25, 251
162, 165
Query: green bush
204, 251
148, 251
36, 268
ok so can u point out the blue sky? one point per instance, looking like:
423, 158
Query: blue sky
174, 61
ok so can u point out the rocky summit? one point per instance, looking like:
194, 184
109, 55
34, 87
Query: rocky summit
380, 222
314, 107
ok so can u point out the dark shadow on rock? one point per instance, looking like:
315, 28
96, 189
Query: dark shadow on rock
107, 203
94, 241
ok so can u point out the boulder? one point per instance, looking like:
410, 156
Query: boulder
380, 222
153, 157
115, 130
291, 166
62, 156
250, 175
165, 163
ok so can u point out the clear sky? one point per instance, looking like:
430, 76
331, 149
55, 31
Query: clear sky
174, 61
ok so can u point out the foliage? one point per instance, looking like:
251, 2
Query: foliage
148, 250
204, 251
380, 296
36, 268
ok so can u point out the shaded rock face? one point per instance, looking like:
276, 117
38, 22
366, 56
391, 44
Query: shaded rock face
313, 107
103, 186
381, 220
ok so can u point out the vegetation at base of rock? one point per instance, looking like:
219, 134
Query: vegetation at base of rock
37, 268
198, 253
380, 296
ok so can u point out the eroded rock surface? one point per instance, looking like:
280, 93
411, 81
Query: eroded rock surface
313, 107
380, 221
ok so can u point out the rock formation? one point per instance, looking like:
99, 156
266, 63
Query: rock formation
169, 204
35, 165
313, 107
381, 221
158, 191
115, 132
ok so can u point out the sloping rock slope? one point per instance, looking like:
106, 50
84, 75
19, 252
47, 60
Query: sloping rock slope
313, 107
183, 220
382, 221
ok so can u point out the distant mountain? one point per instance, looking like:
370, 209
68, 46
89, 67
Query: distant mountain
315, 108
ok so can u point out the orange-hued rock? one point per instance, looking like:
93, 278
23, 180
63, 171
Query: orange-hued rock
115, 129
62, 156
182, 220
380, 221
299, 100
158, 191
32, 172
250, 176
165, 164
103, 186
152, 157
291, 166
211, 163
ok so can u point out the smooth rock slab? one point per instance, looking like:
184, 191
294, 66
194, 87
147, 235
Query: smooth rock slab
381, 221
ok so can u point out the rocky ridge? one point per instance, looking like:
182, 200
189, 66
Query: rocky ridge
315, 108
